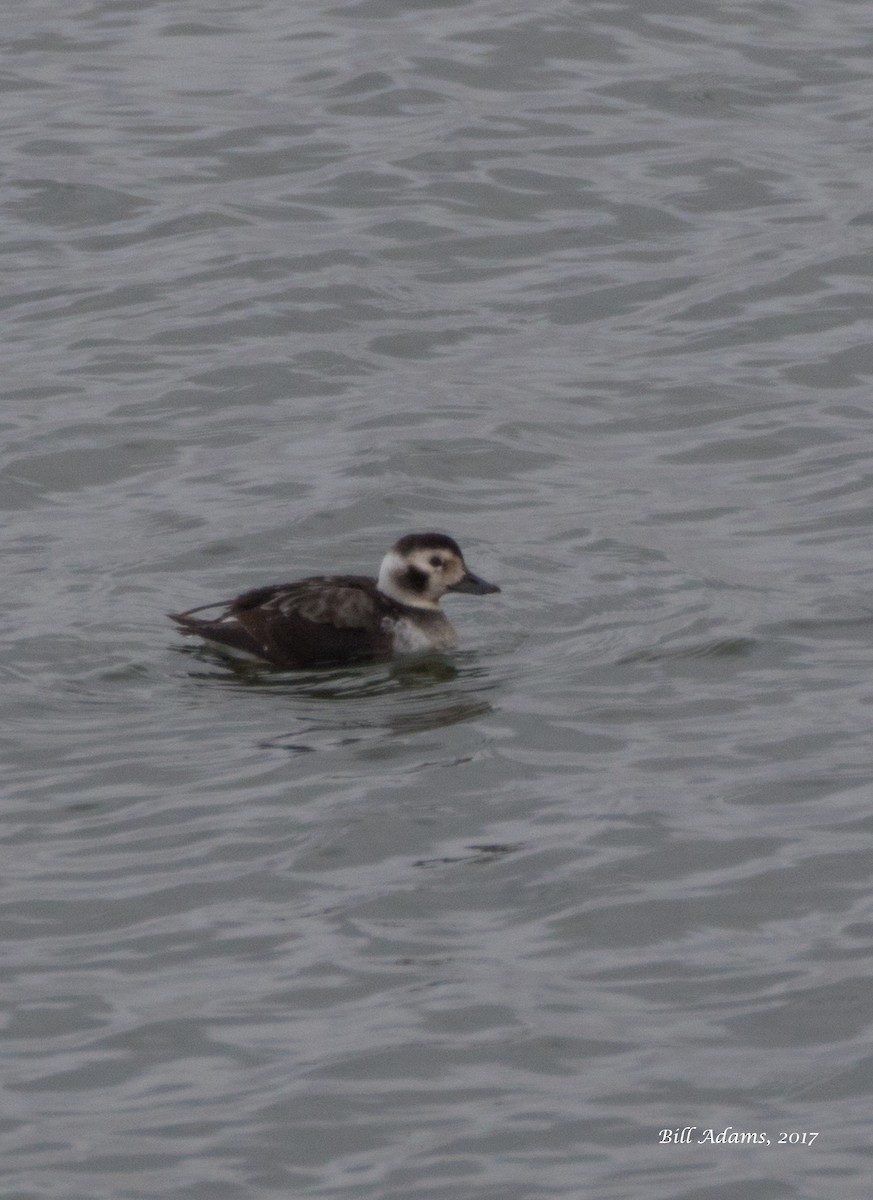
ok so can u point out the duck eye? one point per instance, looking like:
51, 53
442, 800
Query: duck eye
436, 561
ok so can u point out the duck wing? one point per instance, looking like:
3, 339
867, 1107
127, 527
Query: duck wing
329, 618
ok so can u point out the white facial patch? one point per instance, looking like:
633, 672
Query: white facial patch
393, 567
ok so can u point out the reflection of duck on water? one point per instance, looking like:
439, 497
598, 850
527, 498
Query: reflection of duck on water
341, 618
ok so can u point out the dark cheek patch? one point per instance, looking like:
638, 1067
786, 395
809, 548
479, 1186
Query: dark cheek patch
415, 579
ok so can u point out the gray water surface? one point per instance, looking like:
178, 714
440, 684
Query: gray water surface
589, 287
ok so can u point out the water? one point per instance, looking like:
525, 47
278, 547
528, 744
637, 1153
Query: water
589, 287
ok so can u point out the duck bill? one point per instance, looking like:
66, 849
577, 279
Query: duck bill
474, 585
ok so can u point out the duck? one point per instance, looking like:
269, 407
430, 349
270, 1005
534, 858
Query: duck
331, 619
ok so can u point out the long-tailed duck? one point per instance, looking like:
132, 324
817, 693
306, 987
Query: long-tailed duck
339, 618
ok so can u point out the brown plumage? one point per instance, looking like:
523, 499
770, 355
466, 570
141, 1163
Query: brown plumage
341, 618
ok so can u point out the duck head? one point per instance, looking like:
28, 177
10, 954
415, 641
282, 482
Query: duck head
420, 568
